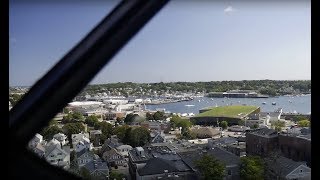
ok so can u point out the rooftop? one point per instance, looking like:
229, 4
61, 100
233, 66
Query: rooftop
265, 132
283, 164
236, 111
84, 103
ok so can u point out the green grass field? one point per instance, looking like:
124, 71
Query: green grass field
228, 111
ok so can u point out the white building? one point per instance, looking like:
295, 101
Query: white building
61, 138
57, 156
38, 138
81, 141
124, 149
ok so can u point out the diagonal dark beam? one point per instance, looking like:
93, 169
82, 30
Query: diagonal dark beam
78, 67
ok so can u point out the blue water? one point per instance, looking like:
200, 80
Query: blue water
300, 104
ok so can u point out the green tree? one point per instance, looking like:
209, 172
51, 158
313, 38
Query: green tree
255, 126
252, 168
149, 116
117, 176
242, 122
73, 128
66, 110
106, 129
73, 161
15, 98
159, 115
210, 168
91, 120
139, 137
278, 125
49, 131
85, 174
72, 117
187, 134
304, 123
120, 131
176, 121
224, 124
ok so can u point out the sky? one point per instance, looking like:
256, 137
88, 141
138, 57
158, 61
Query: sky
186, 41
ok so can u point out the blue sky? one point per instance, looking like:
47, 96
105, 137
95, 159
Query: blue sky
186, 41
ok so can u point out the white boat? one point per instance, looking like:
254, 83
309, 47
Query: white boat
189, 105
264, 103
274, 103
199, 100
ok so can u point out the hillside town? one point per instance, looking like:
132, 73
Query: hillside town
119, 138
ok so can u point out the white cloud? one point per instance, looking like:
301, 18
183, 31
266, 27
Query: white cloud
229, 10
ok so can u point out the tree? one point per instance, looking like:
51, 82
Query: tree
49, 131
106, 129
224, 124
85, 173
176, 121
73, 128
278, 125
117, 176
242, 122
72, 117
130, 118
210, 168
139, 136
304, 123
188, 135
91, 120
255, 126
149, 116
159, 115
252, 168
14, 98
120, 131
73, 161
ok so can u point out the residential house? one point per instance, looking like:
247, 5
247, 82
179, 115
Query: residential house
38, 138
283, 168
61, 138
58, 156
231, 161
95, 136
124, 149
296, 147
156, 162
81, 141
84, 156
205, 132
114, 158
98, 169
39, 150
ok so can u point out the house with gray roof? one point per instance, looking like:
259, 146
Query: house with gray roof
231, 161
39, 150
114, 158
38, 138
62, 138
284, 168
85, 156
158, 162
98, 169
58, 156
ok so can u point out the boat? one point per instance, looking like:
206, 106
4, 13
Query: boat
274, 103
189, 105
264, 103
199, 100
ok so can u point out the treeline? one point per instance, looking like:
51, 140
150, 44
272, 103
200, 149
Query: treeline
268, 87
